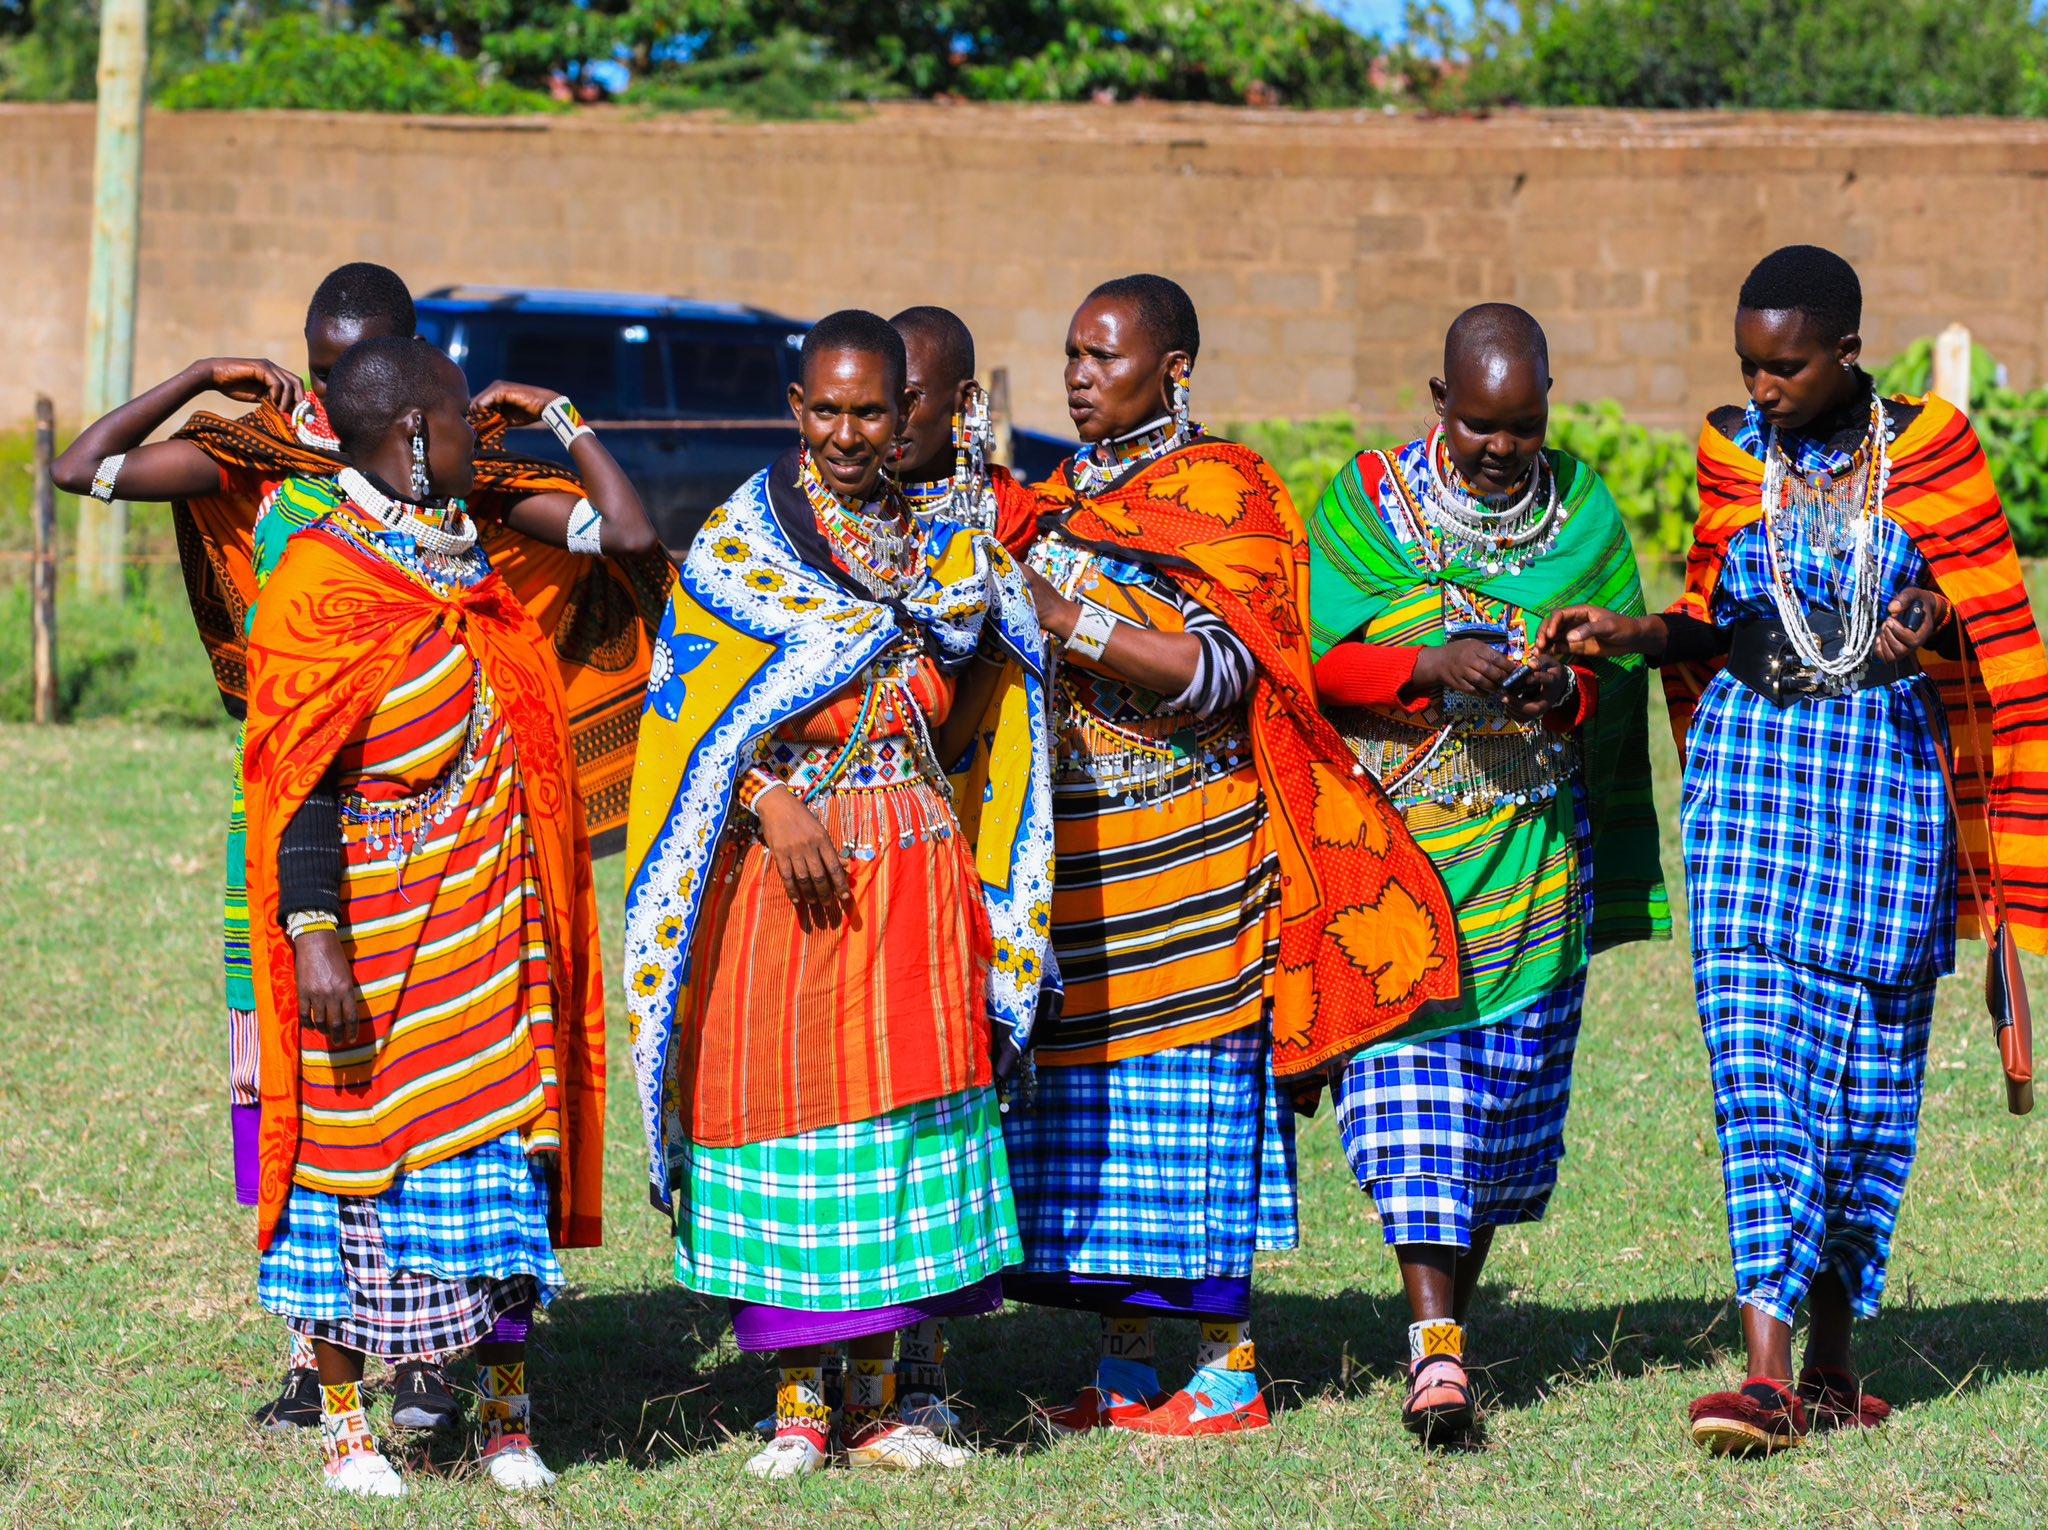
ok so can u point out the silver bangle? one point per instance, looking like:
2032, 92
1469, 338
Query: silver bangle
561, 417
586, 528
104, 475
1093, 629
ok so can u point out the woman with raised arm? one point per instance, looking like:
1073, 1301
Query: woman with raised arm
1849, 546
834, 953
423, 926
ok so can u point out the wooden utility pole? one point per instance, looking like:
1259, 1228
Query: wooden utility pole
43, 575
999, 415
110, 291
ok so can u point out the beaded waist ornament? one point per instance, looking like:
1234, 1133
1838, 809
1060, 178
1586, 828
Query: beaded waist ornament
397, 826
1148, 760
1502, 763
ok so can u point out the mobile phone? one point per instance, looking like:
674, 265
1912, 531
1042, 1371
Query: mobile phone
1914, 614
1519, 679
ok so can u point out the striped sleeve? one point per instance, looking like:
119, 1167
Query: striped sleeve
1224, 667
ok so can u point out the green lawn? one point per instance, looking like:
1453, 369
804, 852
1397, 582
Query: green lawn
131, 1347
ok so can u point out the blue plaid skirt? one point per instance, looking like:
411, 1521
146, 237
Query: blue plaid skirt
1464, 1130
427, 1267
1174, 1166
1817, 1086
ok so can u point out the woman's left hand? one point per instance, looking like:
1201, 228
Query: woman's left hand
1542, 690
515, 403
1897, 638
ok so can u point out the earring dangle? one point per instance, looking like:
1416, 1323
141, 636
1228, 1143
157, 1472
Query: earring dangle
422, 485
1179, 403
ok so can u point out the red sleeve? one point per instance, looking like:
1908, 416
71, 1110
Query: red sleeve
1369, 675
1578, 707
1017, 510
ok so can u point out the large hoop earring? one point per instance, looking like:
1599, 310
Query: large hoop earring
422, 485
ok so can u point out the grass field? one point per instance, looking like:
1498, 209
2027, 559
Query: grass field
131, 1347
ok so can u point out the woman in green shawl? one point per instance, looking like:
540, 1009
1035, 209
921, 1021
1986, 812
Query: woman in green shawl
1432, 569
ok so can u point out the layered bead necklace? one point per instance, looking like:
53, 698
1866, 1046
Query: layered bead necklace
1100, 466
1495, 536
1820, 508
441, 546
877, 543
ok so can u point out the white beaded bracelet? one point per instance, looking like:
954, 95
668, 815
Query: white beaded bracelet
562, 418
103, 477
297, 924
586, 529
1093, 629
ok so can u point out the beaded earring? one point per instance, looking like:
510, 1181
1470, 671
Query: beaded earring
1178, 401
422, 485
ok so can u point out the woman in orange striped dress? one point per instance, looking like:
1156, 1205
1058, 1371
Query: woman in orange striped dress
424, 935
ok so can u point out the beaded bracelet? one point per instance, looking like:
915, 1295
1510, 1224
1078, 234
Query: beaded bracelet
306, 920
562, 418
1093, 629
586, 528
104, 475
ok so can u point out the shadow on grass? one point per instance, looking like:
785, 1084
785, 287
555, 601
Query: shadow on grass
648, 1376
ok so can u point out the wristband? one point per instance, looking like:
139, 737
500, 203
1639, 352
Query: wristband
306, 920
103, 477
586, 529
561, 417
1093, 629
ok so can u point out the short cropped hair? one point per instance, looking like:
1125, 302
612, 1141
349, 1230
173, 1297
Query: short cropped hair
1804, 278
1164, 308
947, 332
364, 294
855, 329
1496, 329
377, 381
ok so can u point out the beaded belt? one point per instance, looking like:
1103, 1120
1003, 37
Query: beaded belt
1761, 656
872, 765
1502, 765
1149, 761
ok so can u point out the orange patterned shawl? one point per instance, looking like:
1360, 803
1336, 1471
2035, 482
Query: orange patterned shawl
1367, 933
1942, 495
333, 628
598, 615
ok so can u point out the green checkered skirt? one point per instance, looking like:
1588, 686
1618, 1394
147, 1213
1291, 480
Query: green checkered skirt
901, 1208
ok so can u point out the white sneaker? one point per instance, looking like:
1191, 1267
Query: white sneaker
519, 1469
928, 1410
906, 1447
787, 1455
364, 1474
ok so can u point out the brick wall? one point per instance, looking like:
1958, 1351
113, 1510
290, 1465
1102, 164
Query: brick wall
1326, 252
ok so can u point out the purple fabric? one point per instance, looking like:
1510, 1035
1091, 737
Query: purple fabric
512, 1327
1213, 1296
758, 1326
246, 1122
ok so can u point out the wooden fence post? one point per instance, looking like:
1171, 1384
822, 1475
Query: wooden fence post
43, 577
999, 414
1951, 378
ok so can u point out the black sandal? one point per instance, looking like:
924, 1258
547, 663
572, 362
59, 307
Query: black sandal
420, 1398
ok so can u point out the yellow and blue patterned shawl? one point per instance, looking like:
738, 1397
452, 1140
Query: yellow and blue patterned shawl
761, 628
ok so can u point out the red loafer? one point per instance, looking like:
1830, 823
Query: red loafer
1763, 1417
1836, 1400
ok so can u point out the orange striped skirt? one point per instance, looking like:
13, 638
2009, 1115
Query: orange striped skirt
789, 1029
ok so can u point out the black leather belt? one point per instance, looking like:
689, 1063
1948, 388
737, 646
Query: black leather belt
1762, 657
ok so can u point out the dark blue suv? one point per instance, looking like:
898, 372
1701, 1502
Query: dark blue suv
692, 398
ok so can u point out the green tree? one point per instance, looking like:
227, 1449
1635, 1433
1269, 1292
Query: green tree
50, 49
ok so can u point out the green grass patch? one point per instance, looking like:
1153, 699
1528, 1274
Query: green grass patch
131, 1346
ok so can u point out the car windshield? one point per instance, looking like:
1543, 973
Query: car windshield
722, 376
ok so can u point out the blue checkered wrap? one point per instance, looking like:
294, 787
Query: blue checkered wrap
1821, 830
1464, 1130
1173, 1166
424, 1268
1817, 1086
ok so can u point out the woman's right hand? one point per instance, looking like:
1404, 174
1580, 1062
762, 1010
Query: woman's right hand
327, 988
812, 870
1594, 632
252, 378
1465, 664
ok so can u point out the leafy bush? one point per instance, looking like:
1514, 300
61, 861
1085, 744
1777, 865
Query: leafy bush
295, 62
790, 75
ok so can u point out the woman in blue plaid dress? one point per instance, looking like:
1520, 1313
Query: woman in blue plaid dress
1819, 847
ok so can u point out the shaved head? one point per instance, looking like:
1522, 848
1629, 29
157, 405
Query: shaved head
1494, 337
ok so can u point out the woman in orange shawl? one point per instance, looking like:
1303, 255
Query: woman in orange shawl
427, 977
1840, 534
1236, 907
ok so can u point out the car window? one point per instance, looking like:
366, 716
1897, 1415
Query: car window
612, 370
720, 375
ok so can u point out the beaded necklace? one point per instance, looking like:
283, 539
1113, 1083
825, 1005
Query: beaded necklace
1100, 465
877, 543
1819, 507
309, 424
1496, 536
